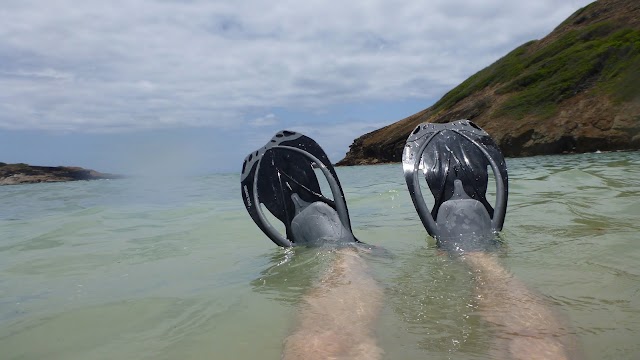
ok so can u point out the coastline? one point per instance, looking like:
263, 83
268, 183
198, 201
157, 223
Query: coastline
15, 174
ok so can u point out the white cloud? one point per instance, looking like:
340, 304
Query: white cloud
267, 120
123, 65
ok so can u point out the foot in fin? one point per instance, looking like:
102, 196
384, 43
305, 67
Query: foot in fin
454, 158
281, 176
317, 223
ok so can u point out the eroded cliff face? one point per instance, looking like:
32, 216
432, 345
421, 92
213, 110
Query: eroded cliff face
576, 90
583, 124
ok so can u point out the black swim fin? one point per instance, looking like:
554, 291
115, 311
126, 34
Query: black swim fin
281, 177
454, 158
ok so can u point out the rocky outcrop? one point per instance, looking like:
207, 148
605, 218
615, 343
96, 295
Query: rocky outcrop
12, 174
576, 90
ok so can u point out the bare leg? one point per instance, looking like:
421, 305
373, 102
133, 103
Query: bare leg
526, 326
337, 317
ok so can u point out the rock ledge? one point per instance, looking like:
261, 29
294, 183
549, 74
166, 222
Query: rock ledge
13, 174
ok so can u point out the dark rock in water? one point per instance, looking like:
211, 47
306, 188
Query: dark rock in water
12, 174
576, 90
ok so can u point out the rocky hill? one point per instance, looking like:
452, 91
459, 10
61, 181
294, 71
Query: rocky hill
576, 90
12, 174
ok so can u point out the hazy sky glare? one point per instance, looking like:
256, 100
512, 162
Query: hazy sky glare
132, 86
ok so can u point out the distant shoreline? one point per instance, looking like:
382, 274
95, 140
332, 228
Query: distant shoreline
374, 161
15, 174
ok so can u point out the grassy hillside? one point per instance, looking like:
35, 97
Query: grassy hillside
576, 90
597, 56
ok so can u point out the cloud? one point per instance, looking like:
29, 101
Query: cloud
113, 66
267, 120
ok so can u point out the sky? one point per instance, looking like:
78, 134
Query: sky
143, 86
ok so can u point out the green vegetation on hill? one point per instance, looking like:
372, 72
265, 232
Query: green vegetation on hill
538, 80
575, 90
501, 71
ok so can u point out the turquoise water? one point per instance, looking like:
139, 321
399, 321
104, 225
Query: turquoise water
175, 268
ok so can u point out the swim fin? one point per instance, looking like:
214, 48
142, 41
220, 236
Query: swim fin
454, 158
281, 177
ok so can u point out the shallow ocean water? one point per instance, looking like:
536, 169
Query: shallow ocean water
176, 269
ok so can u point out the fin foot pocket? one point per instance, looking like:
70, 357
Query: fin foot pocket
454, 158
281, 177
